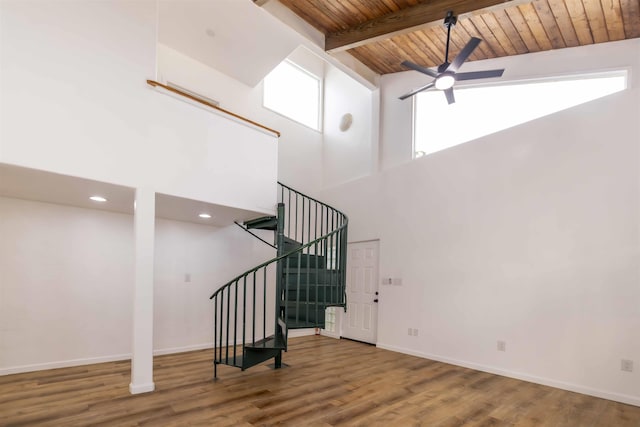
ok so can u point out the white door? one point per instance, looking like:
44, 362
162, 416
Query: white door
361, 320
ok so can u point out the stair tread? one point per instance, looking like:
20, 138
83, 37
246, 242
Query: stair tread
271, 342
262, 223
307, 270
302, 324
291, 244
293, 303
306, 261
229, 361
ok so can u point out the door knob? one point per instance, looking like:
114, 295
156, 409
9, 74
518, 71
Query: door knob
375, 300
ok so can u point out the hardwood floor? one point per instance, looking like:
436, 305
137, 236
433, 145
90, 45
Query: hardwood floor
329, 382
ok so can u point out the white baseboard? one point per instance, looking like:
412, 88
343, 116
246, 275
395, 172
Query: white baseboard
329, 334
172, 350
63, 364
93, 360
141, 388
604, 394
294, 333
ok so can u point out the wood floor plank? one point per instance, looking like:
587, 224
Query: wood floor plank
327, 383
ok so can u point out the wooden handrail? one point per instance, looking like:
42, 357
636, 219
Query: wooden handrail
208, 104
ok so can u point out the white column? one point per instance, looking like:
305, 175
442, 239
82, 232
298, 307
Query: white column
142, 349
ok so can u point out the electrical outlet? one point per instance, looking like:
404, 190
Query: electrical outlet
415, 332
409, 332
626, 365
187, 278
502, 346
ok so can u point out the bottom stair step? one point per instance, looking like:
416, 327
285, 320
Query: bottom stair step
272, 342
231, 362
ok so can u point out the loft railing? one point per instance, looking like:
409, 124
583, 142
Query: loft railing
210, 105
307, 275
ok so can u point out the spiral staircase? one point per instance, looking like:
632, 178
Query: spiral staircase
254, 311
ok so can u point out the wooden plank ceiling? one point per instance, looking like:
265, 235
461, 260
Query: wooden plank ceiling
383, 33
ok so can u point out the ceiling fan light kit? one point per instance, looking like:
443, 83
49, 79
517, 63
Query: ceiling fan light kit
447, 74
444, 81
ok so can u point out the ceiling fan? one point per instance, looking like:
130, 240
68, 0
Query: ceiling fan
447, 74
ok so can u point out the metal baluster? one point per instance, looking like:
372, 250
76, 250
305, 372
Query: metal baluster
302, 226
332, 258
309, 222
286, 290
308, 283
215, 338
228, 312
244, 312
345, 234
264, 304
253, 316
296, 227
315, 250
326, 229
235, 322
289, 215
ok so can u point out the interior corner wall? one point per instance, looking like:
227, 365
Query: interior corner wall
66, 283
529, 236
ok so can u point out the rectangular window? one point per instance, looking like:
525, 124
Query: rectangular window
295, 93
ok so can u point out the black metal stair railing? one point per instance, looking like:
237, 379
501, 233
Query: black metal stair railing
254, 311
314, 274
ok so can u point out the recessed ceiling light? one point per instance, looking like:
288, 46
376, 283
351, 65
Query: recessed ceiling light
204, 215
98, 199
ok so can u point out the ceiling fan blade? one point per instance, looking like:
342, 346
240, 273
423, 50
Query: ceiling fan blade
449, 94
420, 68
479, 75
420, 89
464, 54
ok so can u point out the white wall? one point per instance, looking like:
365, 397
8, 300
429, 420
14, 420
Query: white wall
75, 101
307, 160
210, 256
530, 236
350, 154
299, 147
66, 283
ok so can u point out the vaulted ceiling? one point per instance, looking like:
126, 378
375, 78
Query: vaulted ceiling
383, 33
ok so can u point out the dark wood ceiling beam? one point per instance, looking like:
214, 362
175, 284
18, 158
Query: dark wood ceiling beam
407, 20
